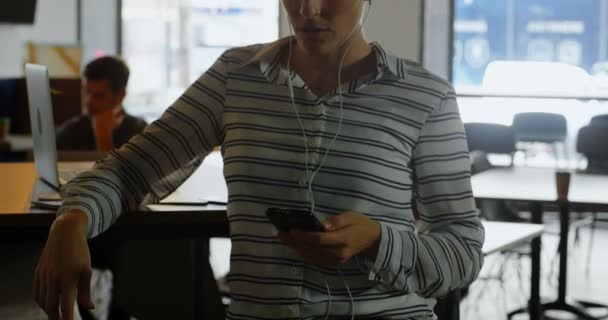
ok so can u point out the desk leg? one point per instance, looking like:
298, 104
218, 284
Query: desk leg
448, 308
200, 249
207, 302
561, 303
454, 301
564, 221
534, 307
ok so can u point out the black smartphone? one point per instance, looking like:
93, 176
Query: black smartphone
291, 219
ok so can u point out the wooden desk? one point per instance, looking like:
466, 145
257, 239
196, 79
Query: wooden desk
20, 222
537, 187
17, 180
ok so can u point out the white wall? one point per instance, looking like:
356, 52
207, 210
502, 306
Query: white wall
437, 37
55, 23
99, 28
395, 24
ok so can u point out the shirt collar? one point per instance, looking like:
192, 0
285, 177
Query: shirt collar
268, 59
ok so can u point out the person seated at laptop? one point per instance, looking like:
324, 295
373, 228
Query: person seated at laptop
105, 125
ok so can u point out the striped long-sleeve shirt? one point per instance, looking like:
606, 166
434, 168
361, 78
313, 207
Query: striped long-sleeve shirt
401, 146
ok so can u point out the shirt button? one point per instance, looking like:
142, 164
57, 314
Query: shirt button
294, 270
302, 183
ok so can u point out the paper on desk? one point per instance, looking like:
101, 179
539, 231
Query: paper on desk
162, 207
205, 184
52, 205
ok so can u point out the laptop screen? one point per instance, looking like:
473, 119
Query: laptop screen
41, 120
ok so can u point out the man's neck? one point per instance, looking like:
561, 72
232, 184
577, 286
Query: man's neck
115, 111
320, 72
356, 49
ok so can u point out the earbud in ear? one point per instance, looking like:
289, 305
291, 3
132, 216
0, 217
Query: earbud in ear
364, 15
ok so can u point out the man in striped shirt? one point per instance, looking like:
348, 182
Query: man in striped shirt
363, 146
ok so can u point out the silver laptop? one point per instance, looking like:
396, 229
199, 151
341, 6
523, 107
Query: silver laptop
43, 127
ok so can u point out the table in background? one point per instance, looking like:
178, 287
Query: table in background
499, 236
537, 187
21, 223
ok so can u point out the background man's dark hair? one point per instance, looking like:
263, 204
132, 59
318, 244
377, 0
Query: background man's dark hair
113, 69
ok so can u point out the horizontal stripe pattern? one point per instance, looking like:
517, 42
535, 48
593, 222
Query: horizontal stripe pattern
401, 145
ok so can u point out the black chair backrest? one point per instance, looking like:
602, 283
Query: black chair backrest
486, 138
591, 142
601, 119
479, 162
540, 127
490, 138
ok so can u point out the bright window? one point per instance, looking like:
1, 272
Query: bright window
545, 49
169, 43
557, 31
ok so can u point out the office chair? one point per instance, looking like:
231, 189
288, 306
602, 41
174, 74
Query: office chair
592, 144
482, 139
601, 119
541, 127
490, 138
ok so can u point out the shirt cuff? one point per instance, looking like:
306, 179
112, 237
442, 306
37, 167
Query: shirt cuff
74, 204
396, 258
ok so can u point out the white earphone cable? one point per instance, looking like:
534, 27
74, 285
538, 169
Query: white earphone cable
310, 176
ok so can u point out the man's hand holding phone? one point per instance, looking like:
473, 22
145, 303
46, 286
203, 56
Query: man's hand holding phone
341, 237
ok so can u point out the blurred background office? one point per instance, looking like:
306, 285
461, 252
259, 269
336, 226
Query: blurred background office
531, 78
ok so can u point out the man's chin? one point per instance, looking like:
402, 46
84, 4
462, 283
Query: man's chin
94, 111
318, 48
